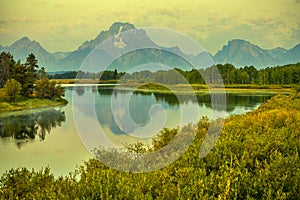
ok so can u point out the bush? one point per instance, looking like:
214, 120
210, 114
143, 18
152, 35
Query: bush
297, 88
46, 89
12, 89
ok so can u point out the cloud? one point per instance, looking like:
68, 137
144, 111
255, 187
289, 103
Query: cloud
24, 19
58, 5
167, 12
28, 20
83, 16
80, 23
288, 14
262, 21
39, 3
5, 31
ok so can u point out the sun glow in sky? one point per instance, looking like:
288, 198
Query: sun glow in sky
62, 25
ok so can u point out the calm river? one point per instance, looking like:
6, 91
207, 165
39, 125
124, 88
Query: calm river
49, 137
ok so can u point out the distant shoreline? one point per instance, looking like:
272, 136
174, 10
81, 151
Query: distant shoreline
180, 88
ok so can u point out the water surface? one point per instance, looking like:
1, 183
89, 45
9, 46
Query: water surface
49, 137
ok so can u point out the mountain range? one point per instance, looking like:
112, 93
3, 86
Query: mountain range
242, 53
238, 52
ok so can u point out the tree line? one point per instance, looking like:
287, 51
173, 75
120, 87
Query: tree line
103, 76
26, 79
286, 74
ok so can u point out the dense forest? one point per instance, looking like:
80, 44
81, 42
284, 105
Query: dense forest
256, 157
286, 74
26, 79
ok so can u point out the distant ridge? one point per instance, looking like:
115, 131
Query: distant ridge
238, 52
243, 53
291, 56
24, 46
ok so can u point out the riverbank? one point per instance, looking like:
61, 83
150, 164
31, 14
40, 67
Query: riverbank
31, 103
83, 81
205, 89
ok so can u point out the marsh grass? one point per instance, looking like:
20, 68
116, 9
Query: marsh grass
30, 103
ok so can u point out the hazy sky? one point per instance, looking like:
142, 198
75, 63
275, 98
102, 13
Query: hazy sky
62, 25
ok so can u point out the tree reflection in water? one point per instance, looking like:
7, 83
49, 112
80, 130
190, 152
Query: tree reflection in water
28, 127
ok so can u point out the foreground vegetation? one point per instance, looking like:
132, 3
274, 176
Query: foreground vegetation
256, 157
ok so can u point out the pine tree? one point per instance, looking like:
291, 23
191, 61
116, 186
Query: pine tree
42, 73
6, 63
31, 75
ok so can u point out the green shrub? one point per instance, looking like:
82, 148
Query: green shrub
12, 89
46, 89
